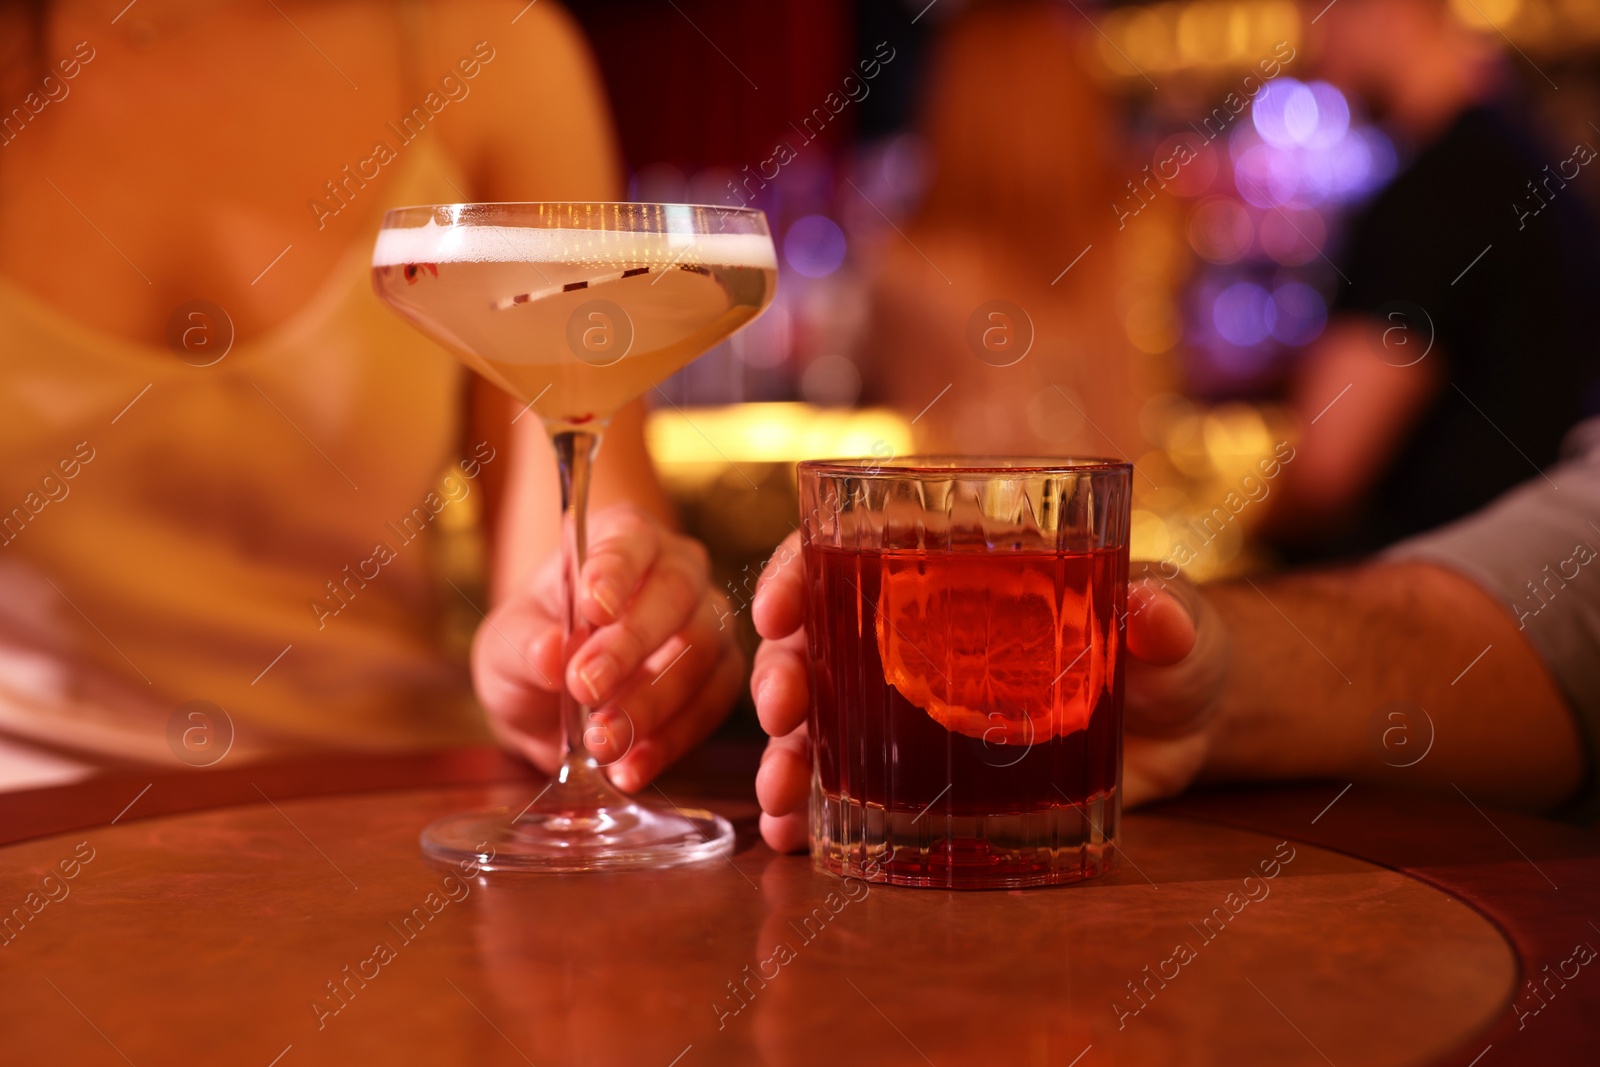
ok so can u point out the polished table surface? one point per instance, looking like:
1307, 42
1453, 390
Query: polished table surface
282, 914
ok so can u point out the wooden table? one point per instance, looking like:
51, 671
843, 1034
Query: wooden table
282, 914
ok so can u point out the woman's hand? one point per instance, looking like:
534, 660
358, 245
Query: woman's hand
659, 671
1177, 655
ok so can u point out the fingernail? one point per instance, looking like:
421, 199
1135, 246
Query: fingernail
607, 595
629, 775
763, 689
598, 674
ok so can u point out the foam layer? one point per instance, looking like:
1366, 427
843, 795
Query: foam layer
433, 243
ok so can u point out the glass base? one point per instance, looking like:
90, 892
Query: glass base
620, 835
1055, 845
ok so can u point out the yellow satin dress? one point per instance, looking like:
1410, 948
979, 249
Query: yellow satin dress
168, 530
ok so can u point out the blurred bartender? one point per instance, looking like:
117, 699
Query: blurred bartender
1461, 348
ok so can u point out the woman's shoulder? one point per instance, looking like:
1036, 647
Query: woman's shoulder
537, 127
520, 46
504, 19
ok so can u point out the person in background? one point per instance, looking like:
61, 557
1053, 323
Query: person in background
974, 307
249, 516
1461, 345
1484, 636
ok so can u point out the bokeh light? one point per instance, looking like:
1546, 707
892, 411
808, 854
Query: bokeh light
1221, 231
1487, 15
1285, 113
768, 341
1265, 178
1153, 324
1186, 179
1300, 150
1244, 314
831, 381
1292, 237
1299, 313
814, 246
1333, 116
1362, 163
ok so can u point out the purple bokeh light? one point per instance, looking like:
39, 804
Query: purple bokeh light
1244, 314
1300, 150
1300, 313
814, 246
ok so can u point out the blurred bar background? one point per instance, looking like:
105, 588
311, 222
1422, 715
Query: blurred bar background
1227, 282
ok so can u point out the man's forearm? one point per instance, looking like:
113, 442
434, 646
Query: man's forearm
1320, 663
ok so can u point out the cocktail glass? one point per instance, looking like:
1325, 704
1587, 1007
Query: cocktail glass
965, 620
576, 309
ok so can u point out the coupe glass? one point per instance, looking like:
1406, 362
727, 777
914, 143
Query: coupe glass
576, 309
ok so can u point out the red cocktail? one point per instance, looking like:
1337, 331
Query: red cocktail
966, 644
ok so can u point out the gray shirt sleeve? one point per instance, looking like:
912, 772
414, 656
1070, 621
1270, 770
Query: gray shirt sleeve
1537, 550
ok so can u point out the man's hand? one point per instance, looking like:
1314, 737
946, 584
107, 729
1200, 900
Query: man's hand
1177, 662
659, 671
1177, 658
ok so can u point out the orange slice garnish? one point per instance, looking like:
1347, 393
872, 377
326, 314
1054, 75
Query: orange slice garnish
989, 647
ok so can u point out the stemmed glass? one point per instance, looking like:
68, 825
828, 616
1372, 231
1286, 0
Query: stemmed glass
576, 309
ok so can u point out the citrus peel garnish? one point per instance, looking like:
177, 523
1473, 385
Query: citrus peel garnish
984, 646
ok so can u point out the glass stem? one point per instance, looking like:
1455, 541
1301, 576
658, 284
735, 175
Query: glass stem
575, 452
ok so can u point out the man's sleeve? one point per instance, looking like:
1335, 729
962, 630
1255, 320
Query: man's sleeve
1537, 550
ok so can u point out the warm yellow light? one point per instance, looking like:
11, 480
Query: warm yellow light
1487, 14
1148, 537
1240, 47
1153, 325
771, 433
1217, 33
1148, 41
1195, 34
1203, 34
1235, 436
1277, 21
1114, 29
